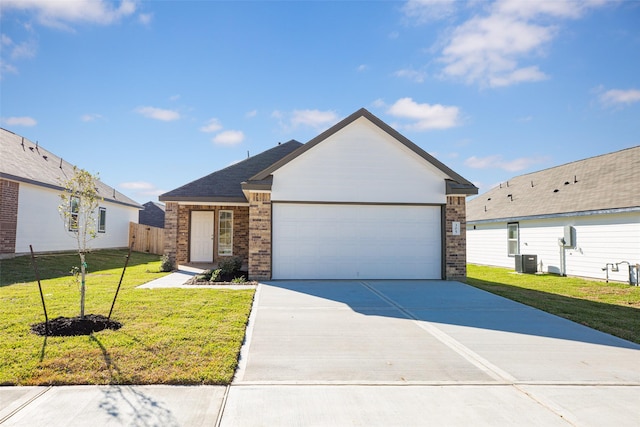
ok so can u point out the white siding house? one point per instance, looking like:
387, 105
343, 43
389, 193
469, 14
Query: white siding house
598, 198
30, 179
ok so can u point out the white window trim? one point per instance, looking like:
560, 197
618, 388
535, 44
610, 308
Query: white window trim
220, 252
104, 226
517, 239
73, 215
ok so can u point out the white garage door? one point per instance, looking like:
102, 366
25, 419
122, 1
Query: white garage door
356, 242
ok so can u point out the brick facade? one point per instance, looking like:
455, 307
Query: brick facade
455, 246
178, 224
8, 215
260, 236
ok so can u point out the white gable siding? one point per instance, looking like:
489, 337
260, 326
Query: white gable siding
600, 239
40, 225
359, 163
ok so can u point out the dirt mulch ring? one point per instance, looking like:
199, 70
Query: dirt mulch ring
71, 326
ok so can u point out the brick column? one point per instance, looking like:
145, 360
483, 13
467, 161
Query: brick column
9, 191
171, 231
259, 236
456, 246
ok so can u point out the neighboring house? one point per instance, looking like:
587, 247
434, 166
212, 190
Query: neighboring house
30, 187
592, 204
359, 201
152, 214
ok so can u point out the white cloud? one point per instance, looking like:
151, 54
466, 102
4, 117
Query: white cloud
145, 18
413, 75
496, 161
174, 97
19, 121
213, 125
90, 117
425, 116
620, 97
141, 189
26, 49
251, 114
229, 137
362, 67
423, 11
158, 113
137, 185
58, 14
7, 69
5, 40
313, 118
489, 49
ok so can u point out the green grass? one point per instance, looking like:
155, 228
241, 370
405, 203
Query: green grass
169, 336
613, 308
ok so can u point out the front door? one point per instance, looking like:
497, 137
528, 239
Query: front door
202, 236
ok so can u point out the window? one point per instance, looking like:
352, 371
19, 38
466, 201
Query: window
513, 242
74, 210
225, 233
102, 220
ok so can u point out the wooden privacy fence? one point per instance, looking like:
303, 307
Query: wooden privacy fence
146, 238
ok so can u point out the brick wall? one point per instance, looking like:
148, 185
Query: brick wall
178, 224
8, 215
455, 246
260, 236
171, 231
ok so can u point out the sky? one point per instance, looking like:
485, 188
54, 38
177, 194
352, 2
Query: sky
151, 95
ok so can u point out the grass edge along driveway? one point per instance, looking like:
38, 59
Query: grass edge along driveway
169, 336
613, 308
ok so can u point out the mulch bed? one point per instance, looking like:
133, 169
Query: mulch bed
223, 279
71, 326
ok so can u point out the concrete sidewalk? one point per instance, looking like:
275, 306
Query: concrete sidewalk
378, 353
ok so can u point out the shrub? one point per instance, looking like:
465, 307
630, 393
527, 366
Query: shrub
240, 279
230, 265
166, 264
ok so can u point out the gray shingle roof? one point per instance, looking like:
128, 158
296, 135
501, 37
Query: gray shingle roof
606, 182
225, 185
152, 214
25, 161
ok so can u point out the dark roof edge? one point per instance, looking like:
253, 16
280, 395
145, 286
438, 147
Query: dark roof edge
454, 187
256, 186
217, 199
60, 188
363, 112
557, 215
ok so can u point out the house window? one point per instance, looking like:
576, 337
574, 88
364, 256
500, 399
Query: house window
225, 233
513, 242
74, 210
102, 220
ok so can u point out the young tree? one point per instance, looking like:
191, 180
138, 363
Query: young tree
78, 204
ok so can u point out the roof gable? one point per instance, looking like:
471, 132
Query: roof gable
224, 185
456, 184
28, 162
606, 182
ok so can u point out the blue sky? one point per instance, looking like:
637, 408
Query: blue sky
154, 94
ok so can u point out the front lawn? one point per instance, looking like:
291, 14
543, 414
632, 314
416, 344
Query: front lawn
613, 308
169, 336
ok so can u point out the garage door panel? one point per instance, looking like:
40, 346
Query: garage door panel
356, 242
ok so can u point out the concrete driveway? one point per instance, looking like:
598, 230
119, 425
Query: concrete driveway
378, 353
408, 353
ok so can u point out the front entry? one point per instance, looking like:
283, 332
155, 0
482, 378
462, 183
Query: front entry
202, 236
